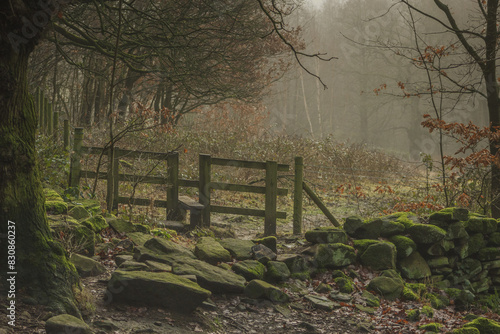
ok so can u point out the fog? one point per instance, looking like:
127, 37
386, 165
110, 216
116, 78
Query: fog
377, 94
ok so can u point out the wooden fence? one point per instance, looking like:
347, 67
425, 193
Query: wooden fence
204, 185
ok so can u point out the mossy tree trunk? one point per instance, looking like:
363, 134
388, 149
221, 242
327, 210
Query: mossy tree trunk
43, 271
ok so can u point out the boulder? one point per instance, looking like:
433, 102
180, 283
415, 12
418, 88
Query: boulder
159, 289
481, 225
209, 250
414, 267
86, 266
65, 323
379, 256
298, 265
326, 235
119, 259
484, 325
334, 255
157, 266
369, 229
260, 289
389, 285
164, 246
270, 242
121, 226
276, 271
250, 269
95, 223
215, 279
133, 266
239, 249
352, 224
450, 215
426, 233
56, 207
404, 246
322, 303
263, 253
79, 213
390, 228
138, 238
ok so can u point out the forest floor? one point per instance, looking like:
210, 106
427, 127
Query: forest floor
236, 314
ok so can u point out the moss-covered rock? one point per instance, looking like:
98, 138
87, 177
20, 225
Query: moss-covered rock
96, 223
326, 235
431, 327
369, 229
161, 288
209, 250
450, 215
484, 325
56, 207
427, 311
352, 224
260, 289
409, 294
121, 226
86, 266
164, 246
489, 254
344, 285
466, 330
52, 195
79, 238
413, 315
143, 228
65, 323
389, 285
250, 269
404, 246
414, 267
299, 265
426, 233
79, 213
276, 271
334, 255
390, 228
380, 256
370, 299
270, 242
475, 243
494, 239
239, 249
481, 225
362, 244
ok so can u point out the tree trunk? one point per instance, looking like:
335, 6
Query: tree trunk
43, 271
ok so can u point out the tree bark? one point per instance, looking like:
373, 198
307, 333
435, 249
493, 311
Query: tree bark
43, 271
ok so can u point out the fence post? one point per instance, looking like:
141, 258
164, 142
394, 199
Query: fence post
49, 118
297, 195
66, 135
204, 187
271, 198
56, 125
76, 167
173, 212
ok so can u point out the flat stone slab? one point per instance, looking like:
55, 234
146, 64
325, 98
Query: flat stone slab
164, 246
210, 250
160, 289
321, 302
86, 266
239, 249
139, 238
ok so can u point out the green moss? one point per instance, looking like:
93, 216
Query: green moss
404, 246
481, 225
408, 294
437, 301
405, 220
56, 207
370, 299
143, 228
426, 233
250, 269
488, 254
344, 285
418, 288
362, 244
427, 311
413, 315
96, 223
52, 195
467, 330
431, 327
485, 326
494, 239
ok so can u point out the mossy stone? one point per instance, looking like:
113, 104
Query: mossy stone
277, 271
494, 239
56, 207
409, 294
143, 228
210, 250
489, 254
334, 255
369, 229
466, 330
52, 195
475, 243
96, 223
426, 233
452, 214
414, 267
352, 224
270, 242
79, 213
362, 244
380, 256
370, 299
413, 315
390, 228
250, 269
431, 327
481, 225
387, 287
65, 323
484, 325
345, 285
404, 245
260, 289
427, 311
326, 235
121, 225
